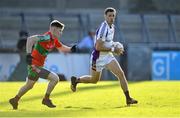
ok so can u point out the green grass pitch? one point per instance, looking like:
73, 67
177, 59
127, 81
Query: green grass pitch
104, 99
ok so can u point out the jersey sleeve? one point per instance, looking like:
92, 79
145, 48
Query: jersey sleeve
57, 43
102, 32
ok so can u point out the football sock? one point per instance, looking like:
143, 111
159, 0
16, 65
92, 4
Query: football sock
46, 96
17, 98
127, 95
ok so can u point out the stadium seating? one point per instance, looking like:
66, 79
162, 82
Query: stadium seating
10, 27
176, 24
131, 28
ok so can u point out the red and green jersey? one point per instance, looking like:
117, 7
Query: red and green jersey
41, 49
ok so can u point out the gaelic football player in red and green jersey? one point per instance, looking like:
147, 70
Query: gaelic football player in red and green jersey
37, 48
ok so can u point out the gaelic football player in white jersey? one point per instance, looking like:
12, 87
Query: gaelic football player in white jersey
102, 57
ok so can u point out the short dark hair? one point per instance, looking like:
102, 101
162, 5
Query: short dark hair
109, 9
56, 23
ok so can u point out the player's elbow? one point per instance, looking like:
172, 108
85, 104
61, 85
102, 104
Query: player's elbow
29, 40
98, 47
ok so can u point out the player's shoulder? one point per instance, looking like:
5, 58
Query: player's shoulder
45, 37
103, 24
102, 27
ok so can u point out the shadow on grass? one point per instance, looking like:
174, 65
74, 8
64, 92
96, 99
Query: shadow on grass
80, 89
49, 113
125, 106
69, 107
68, 111
120, 107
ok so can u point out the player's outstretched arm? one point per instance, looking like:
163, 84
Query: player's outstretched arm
67, 49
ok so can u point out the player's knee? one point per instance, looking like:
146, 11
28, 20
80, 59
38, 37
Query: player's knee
30, 86
57, 79
94, 80
54, 77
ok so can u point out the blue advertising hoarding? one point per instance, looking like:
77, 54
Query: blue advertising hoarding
166, 65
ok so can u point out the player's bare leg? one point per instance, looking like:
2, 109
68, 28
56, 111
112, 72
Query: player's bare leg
93, 78
116, 69
24, 89
52, 83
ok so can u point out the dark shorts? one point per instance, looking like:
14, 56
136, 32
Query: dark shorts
36, 72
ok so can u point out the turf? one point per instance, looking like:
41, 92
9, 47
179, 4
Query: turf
104, 99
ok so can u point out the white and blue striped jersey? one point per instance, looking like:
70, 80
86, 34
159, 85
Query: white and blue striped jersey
100, 59
106, 33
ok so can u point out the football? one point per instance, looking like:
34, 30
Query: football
118, 45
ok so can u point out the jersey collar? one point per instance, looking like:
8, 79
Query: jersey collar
108, 25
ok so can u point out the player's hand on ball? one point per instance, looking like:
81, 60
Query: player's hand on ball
119, 49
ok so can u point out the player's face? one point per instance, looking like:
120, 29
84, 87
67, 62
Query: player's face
110, 17
57, 32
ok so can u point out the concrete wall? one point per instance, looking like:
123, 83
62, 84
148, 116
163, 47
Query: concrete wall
139, 59
67, 64
139, 62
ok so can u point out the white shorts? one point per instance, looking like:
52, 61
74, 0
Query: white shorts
100, 63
